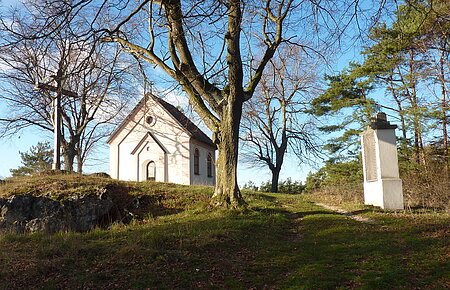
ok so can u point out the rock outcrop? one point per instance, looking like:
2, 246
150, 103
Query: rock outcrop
26, 213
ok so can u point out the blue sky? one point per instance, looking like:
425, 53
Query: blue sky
10, 147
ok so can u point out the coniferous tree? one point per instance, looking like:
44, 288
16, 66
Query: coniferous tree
39, 158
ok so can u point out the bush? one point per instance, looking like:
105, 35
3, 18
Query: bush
427, 187
423, 186
250, 185
335, 174
286, 186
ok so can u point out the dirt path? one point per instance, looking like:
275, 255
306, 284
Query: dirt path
352, 215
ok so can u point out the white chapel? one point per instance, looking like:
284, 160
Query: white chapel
158, 142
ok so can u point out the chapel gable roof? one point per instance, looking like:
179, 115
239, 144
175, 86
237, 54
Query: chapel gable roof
181, 118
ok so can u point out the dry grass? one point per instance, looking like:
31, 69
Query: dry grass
340, 194
427, 188
422, 189
280, 242
144, 199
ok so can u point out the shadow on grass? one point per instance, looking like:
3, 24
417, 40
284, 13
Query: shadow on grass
289, 214
223, 250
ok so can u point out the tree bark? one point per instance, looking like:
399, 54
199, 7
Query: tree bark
79, 163
68, 161
219, 107
69, 153
227, 192
412, 94
275, 179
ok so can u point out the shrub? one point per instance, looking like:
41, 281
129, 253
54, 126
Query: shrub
284, 186
427, 187
424, 186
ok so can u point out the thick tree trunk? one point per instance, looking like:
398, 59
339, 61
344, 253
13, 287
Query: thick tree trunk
227, 192
69, 156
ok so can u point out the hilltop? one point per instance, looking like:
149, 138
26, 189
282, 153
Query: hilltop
176, 240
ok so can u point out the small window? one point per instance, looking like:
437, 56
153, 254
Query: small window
196, 162
209, 165
150, 120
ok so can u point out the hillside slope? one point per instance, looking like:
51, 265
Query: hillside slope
280, 241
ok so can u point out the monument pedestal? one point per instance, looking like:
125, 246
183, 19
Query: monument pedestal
385, 193
382, 185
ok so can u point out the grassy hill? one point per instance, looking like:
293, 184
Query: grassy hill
280, 241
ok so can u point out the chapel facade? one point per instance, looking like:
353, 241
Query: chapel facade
158, 142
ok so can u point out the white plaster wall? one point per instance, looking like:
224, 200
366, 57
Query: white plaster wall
202, 178
128, 162
166, 130
151, 151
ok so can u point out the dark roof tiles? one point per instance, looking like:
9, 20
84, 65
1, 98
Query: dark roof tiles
184, 121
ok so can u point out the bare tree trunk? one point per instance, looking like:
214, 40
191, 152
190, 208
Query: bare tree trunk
275, 179
220, 107
68, 160
401, 113
227, 192
79, 163
69, 153
443, 107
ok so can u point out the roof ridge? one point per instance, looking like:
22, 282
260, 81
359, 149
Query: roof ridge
185, 122
190, 127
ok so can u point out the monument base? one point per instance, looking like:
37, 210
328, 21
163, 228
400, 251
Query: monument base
386, 193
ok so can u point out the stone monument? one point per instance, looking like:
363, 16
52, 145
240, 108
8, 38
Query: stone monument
382, 185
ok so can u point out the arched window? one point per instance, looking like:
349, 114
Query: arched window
209, 165
151, 171
196, 162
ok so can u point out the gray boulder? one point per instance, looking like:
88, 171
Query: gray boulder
25, 213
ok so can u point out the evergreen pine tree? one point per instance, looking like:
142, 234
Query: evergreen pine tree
38, 159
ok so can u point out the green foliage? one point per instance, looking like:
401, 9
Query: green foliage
347, 94
314, 180
250, 185
38, 159
285, 186
402, 59
345, 90
335, 173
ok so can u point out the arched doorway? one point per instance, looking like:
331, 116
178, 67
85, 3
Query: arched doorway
151, 171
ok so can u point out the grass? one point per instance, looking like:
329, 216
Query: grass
280, 241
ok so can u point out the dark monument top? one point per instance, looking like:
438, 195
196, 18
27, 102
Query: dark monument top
380, 122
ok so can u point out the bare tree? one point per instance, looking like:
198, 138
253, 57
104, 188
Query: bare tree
89, 78
276, 118
209, 47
